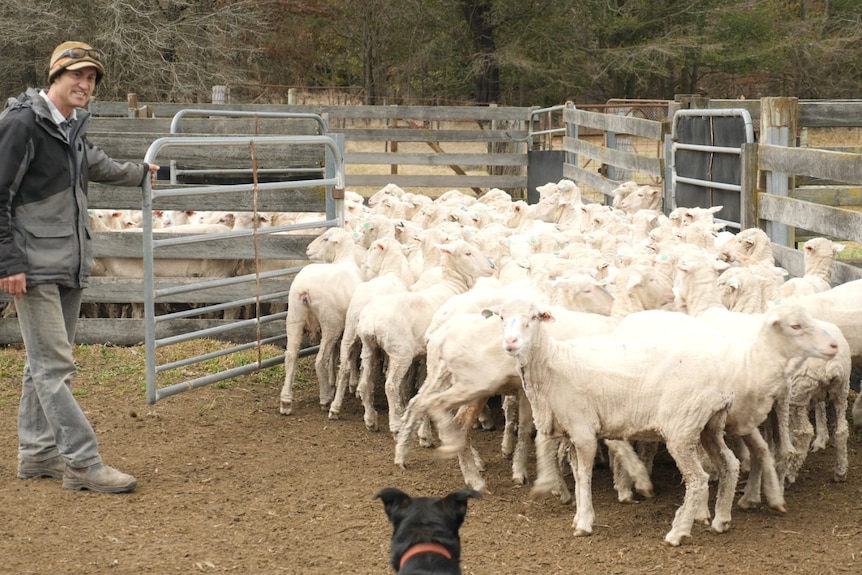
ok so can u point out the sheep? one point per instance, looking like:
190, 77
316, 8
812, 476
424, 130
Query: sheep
641, 198
748, 247
317, 302
756, 392
825, 386
459, 374
819, 254
389, 273
396, 326
696, 286
170, 267
598, 387
841, 305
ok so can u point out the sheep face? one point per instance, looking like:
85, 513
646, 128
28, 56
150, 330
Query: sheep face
520, 323
801, 332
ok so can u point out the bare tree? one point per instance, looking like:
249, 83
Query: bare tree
169, 50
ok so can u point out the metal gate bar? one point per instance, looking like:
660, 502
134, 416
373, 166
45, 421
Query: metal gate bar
678, 146
334, 180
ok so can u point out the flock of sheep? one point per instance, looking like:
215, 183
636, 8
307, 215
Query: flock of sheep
593, 322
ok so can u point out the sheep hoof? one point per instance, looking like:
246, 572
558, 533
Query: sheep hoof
333, 414
446, 452
286, 408
425, 442
746, 504
839, 477
626, 499
779, 507
645, 492
541, 490
720, 526
672, 541
564, 496
519, 479
582, 533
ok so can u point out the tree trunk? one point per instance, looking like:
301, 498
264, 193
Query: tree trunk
477, 15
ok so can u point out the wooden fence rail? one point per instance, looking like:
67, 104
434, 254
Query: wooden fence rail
398, 137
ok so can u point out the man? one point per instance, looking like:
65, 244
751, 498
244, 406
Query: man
46, 259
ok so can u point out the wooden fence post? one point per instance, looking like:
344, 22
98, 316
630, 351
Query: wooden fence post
748, 187
778, 121
221, 94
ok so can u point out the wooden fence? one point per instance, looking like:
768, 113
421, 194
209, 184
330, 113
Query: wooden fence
477, 147
783, 186
496, 157
387, 138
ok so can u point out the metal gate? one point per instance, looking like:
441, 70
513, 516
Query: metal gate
705, 156
161, 330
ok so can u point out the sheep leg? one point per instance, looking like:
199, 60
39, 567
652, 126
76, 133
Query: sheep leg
294, 328
696, 489
712, 439
440, 405
629, 471
821, 427
415, 410
524, 439
425, 433
803, 432
585, 455
471, 469
762, 468
368, 359
341, 383
779, 418
323, 365
838, 409
394, 386
510, 429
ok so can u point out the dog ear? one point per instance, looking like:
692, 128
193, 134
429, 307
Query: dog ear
456, 503
393, 499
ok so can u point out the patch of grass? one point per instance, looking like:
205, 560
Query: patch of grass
121, 371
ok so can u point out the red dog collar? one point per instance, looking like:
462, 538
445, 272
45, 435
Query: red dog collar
424, 548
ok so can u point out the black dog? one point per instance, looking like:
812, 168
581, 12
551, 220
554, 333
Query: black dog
425, 535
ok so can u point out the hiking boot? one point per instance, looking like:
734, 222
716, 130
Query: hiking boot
52, 467
99, 477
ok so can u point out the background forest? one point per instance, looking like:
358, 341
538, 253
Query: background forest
510, 52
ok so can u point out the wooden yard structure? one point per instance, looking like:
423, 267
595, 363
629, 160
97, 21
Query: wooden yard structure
787, 187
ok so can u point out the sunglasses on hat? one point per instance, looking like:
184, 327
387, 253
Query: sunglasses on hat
78, 53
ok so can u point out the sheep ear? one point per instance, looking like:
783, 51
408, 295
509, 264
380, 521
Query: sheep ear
545, 316
445, 248
720, 265
634, 281
490, 312
838, 248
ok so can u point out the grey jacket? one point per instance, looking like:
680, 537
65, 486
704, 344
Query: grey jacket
43, 192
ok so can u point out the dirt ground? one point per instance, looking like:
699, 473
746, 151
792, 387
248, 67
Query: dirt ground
228, 485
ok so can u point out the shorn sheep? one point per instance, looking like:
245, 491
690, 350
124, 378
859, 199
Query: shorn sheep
396, 326
641, 388
317, 302
592, 388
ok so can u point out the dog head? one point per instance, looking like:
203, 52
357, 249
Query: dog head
425, 530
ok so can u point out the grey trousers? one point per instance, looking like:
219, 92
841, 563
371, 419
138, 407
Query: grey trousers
50, 421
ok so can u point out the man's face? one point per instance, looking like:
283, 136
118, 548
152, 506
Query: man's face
72, 89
